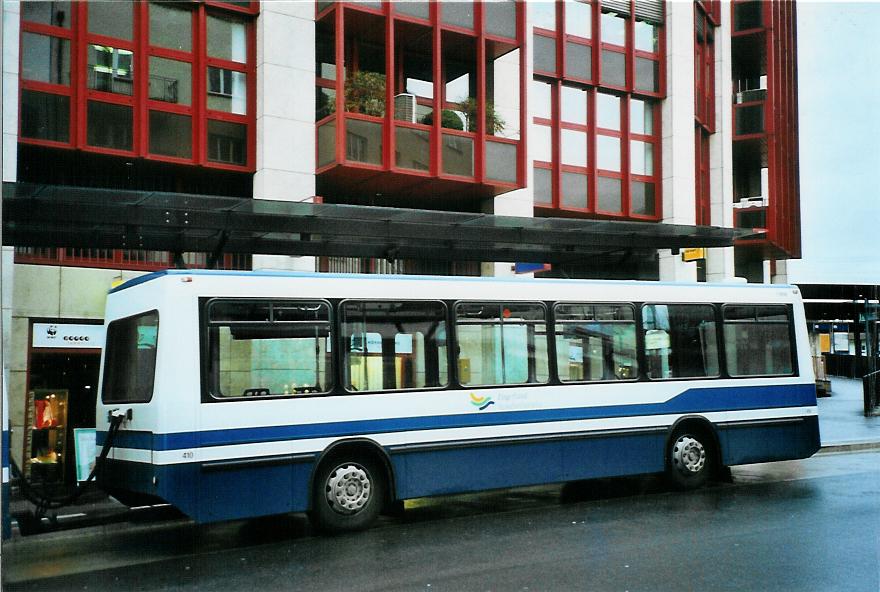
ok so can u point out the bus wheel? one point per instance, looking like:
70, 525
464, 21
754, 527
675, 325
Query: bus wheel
348, 495
689, 459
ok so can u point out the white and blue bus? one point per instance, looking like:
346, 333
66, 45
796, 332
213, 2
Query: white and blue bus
256, 393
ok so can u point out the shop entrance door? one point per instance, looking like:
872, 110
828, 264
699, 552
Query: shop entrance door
77, 373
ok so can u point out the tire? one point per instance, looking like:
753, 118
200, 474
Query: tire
690, 459
348, 494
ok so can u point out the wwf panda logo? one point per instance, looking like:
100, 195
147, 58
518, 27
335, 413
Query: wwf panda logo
51, 331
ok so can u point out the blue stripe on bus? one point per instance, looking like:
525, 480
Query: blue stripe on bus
696, 400
5, 445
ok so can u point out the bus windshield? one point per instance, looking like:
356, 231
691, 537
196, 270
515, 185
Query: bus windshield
130, 363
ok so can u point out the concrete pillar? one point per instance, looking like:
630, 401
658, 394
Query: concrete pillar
779, 275
678, 153
285, 112
720, 262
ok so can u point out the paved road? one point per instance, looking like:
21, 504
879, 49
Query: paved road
802, 525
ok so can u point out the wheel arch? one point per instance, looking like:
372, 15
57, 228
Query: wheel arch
356, 448
699, 424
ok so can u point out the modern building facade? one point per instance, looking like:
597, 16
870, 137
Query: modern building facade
615, 110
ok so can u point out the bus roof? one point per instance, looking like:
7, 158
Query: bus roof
422, 278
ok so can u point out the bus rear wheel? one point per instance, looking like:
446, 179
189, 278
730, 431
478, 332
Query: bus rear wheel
348, 495
690, 459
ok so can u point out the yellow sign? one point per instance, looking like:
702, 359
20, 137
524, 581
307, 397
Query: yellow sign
693, 254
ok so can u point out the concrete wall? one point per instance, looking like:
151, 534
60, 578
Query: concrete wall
678, 152
285, 112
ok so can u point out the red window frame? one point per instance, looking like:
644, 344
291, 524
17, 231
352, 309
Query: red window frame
624, 135
79, 94
438, 29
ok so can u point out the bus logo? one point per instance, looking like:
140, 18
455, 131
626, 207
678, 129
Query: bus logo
481, 402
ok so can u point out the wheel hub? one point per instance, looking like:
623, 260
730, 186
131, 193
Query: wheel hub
688, 455
348, 489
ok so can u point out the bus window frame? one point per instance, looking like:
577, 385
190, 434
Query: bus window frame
552, 374
636, 322
792, 337
643, 370
106, 366
342, 349
205, 325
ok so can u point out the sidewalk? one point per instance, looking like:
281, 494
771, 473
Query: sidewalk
841, 419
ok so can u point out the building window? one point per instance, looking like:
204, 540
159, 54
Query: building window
123, 72
607, 102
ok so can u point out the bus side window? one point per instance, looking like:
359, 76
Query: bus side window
680, 340
757, 340
595, 342
393, 345
501, 343
259, 348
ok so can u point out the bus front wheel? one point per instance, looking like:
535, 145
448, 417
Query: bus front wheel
689, 459
348, 495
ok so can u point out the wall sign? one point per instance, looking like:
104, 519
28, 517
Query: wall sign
60, 335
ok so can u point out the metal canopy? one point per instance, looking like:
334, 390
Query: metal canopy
77, 217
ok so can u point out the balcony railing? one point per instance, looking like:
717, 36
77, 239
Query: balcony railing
129, 259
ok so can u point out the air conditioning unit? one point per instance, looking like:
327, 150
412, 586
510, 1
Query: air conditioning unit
751, 202
405, 107
746, 96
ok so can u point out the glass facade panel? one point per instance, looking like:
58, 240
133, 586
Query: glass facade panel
458, 155
109, 126
327, 143
113, 19
574, 148
641, 117
541, 142
749, 120
574, 190
543, 14
543, 180
608, 111
363, 141
574, 105
608, 153
45, 116
413, 149
501, 162
545, 53
417, 9
613, 68
325, 102
641, 158
170, 26
578, 60
578, 19
501, 18
227, 90
613, 28
170, 134
227, 38
459, 14
45, 59
647, 75
647, 37
541, 99
170, 81
46, 12
609, 195
110, 69
642, 201
227, 142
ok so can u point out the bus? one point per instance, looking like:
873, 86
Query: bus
255, 393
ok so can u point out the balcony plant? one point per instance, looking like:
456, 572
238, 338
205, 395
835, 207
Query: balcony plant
494, 123
365, 93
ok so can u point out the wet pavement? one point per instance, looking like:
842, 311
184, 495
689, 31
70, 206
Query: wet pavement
841, 416
149, 549
796, 525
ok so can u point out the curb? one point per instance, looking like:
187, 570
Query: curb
855, 446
